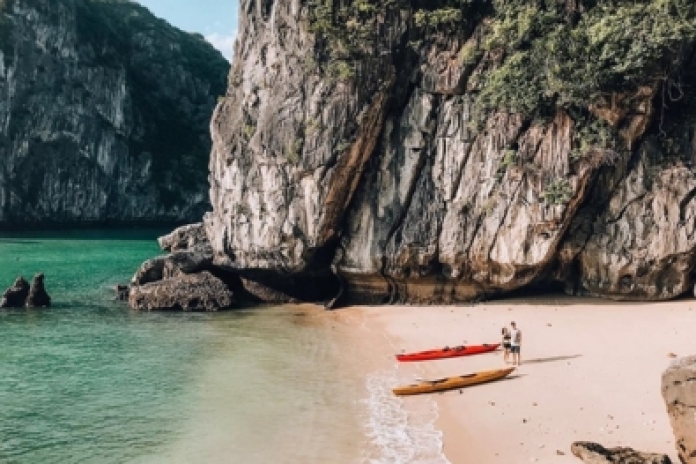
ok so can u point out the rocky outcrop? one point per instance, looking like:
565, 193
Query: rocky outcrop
394, 158
439, 152
181, 280
151, 270
104, 114
172, 265
190, 252
38, 296
190, 237
198, 292
679, 393
16, 295
593, 453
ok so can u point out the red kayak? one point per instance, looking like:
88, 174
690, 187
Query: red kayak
448, 352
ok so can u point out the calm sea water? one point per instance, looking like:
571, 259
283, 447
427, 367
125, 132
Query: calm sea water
90, 381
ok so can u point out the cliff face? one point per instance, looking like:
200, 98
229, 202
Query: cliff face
450, 150
104, 114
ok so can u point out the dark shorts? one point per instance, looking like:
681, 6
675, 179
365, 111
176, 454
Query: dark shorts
506, 346
515, 349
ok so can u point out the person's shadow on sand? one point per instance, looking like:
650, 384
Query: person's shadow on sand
551, 359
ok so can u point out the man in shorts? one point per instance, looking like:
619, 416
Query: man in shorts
515, 343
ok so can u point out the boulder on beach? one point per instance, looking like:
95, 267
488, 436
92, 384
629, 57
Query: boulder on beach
38, 297
16, 295
594, 453
679, 393
194, 292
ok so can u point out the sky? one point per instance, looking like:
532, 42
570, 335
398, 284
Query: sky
215, 19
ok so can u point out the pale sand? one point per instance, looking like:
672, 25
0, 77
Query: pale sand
591, 370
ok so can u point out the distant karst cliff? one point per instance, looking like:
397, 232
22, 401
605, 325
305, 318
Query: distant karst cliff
448, 150
104, 114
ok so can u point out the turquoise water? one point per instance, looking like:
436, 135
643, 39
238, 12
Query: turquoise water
91, 381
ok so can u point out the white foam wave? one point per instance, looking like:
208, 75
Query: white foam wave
398, 435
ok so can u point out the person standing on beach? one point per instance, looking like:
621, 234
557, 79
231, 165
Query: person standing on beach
515, 343
506, 343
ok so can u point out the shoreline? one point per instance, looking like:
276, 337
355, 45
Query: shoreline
397, 432
591, 371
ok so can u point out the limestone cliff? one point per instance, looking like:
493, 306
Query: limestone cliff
449, 150
104, 114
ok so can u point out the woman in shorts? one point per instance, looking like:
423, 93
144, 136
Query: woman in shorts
507, 338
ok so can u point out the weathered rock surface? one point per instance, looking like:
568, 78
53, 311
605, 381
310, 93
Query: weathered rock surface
679, 393
172, 265
104, 114
189, 237
38, 296
197, 292
16, 295
354, 145
280, 195
382, 169
264, 293
594, 453
151, 270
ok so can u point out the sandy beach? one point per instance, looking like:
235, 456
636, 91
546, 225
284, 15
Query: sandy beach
591, 370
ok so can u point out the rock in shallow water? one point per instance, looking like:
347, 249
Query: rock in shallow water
679, 393
594, 453
16, 295
38, 297
196, 292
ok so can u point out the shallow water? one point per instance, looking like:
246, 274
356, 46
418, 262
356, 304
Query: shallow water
91, 381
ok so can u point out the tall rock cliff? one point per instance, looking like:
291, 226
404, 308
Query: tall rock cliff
104, 114
449, 150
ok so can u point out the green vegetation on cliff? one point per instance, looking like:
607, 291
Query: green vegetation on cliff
553, 53
556, 57
344, 32
540, 55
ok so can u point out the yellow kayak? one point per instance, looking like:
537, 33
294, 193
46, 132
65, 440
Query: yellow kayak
448, 383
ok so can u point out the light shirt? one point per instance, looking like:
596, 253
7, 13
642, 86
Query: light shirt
515, 337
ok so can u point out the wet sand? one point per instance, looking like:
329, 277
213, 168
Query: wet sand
591, 370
